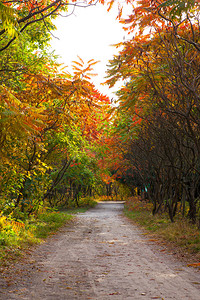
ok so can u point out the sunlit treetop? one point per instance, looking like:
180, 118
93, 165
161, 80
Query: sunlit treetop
17, 15
158, 15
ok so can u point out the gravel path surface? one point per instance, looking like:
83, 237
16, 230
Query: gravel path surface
101, 256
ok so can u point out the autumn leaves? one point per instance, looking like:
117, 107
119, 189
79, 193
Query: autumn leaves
158, 113
51, 126
51, 120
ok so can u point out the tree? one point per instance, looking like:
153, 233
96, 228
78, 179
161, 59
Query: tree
18, 16
159, 109
61, 115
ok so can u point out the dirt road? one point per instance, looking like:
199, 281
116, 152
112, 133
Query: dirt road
101, 256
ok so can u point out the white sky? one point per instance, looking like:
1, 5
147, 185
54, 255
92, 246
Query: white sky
89, 33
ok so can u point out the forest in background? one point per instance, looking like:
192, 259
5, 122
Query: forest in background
61, 140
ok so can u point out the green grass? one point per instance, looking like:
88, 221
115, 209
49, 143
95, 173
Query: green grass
13, 241
83, 204
49, 223
76, 210
181, 233
34, 231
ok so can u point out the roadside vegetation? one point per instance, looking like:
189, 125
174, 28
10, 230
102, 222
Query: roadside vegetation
180, 234
18, 236
63, 142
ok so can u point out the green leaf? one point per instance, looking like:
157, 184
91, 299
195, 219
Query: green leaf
8, 20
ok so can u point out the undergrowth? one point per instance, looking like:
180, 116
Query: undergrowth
181, 233
18, 235
83, 204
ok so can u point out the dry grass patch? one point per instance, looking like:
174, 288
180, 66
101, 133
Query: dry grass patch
181, 234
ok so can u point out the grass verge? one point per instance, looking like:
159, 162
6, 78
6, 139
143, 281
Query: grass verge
17, 236
181, 234
83, 205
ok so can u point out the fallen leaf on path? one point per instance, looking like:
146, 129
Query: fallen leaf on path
195, 265
116, 293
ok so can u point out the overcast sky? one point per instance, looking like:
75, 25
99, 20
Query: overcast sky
89, 33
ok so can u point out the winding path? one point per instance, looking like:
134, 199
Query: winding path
101, 256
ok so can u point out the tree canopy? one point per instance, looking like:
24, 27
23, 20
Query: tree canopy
158, 112
61, 139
